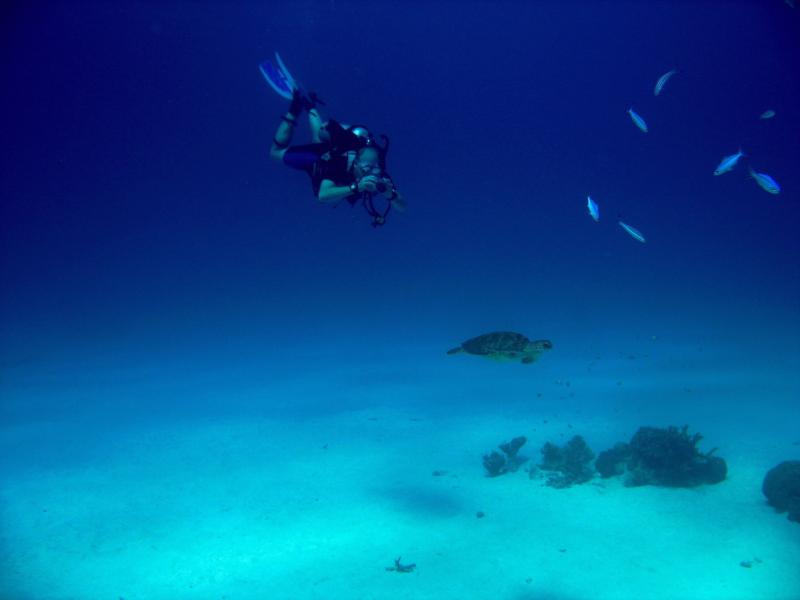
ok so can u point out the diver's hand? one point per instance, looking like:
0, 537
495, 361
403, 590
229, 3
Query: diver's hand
368, 184
388, 187
399, 202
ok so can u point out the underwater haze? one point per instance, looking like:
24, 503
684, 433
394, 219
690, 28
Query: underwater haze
213, 386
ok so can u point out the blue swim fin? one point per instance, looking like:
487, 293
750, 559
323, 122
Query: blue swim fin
278, 77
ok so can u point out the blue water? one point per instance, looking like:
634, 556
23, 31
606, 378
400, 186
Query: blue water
159, 270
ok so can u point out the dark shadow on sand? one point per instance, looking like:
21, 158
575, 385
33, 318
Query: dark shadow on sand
420, 500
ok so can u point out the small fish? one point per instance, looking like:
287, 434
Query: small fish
765, 182
768, 114
594, 210
727, 163
637, 120
633, 232
662, 81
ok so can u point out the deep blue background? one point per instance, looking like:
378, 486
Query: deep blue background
142, 219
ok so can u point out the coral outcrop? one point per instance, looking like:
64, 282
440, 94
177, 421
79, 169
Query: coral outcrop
665, 457
782, 488
498, 464
567, 465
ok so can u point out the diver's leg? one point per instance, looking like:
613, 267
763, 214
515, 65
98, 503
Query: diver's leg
283, 136
315, 124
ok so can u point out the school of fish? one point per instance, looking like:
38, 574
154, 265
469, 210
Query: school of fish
727, 164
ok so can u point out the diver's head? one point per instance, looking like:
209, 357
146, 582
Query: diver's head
358, 134
361, 132
368, 162
345, 138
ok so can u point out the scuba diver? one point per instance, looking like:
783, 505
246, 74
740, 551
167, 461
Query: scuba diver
343, 162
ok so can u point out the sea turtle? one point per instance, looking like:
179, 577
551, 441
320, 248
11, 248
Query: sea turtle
504, 345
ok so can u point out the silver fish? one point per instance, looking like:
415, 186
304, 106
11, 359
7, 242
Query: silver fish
594, 210
633, 232
637, 120
765, 182
662, 81
727, 163
767, 114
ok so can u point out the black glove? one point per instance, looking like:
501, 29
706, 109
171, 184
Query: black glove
301, 102
297, 104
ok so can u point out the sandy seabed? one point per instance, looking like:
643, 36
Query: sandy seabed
317, 505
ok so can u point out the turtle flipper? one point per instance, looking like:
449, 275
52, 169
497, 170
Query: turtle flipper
526, 360
456, 350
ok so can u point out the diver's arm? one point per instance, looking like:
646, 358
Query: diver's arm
283, 136
393, 195
398, 201
330, 192
315, 125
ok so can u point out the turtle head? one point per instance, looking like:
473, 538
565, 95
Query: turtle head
534, 349
542, 344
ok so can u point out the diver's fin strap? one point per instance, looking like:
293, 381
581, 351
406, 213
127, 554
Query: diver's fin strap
315, 100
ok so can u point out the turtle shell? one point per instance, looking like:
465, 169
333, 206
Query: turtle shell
498, 342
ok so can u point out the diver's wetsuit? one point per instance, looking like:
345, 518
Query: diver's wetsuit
319, 161
334, 161
326, 160
338, 169
303, 157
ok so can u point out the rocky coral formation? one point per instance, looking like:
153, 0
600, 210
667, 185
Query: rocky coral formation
614, 461
665, 457
498, 464
782, 488
567, 465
